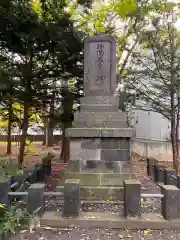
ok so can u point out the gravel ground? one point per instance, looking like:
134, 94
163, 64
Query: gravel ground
96, 234
52, 204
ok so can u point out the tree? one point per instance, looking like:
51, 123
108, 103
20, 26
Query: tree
44, 46
156, 79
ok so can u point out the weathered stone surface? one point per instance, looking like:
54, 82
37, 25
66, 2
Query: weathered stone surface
115, 143
99, 192
100, 66
4, 189
102, 154
99, 104
115, 155
36, 198
100, 116
159, 172
98, 132
99, 166
91, 143
151, 167
178, 181
170, 203
106, 143
100, 179
71, 198
99, 100
97, 108
102, 128
101, 124
170, 177
118, 132
88, 154
132, 198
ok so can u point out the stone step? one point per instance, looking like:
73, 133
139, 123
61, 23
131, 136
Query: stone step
103, 124
100, 179
98, 108
100, 132
100, 117
100, 100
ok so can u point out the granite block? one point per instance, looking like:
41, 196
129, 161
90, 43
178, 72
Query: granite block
100, 124
100, 100
132, 198
118, 132
170, 177
115, 155
115, 143
100, 80
100, 116
100, 132
35, 199
91, 143
170, 203
4, 189
71, 198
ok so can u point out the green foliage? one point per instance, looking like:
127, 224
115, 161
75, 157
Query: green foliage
11, 219
9, 169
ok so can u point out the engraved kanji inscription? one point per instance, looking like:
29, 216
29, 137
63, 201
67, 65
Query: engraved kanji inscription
100, 80
100, 54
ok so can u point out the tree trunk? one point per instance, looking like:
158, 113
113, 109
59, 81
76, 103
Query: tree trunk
172, 95
174, 147
10, 114
65, 145
67, 105
177, 130
24, 134
49, 133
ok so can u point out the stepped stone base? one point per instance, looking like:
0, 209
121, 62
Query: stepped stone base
100, 119
99, 179
99, 193
99, 103
100, 132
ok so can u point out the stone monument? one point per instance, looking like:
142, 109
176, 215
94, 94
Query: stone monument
100, 128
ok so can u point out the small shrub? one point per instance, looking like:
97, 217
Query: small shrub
9, 169
11, 219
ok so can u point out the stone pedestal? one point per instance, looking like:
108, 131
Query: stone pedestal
103, 156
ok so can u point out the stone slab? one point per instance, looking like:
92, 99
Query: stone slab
102, 193
71, 197
97, 108
99, 103
88, 154
101, 154
100, 100
116, 155
100, 179
100, 116
105, 220
100, 166
36, 198
100, 124
98, 193
106, 143
170, 204
132, 198
100, 132
100, 65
